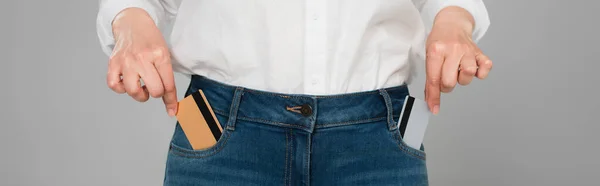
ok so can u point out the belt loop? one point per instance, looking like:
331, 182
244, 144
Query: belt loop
390, 109
233, 109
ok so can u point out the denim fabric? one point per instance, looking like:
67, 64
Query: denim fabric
343, 139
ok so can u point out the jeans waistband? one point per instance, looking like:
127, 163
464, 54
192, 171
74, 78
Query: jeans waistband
301, 111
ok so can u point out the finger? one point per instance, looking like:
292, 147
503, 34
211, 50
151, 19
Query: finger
485, 66
113, 80
425, 93
150, 76
468, 68
165, 71
432, 95
450, 72
131, 79
434, 63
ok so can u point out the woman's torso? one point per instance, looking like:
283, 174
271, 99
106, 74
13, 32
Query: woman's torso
299, 46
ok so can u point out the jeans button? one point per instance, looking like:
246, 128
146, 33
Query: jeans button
306, 110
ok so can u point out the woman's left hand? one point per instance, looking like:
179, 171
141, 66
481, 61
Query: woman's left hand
452, 55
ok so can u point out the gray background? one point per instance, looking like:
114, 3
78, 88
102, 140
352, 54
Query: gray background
533, 122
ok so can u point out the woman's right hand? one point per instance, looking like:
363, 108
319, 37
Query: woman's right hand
141, 53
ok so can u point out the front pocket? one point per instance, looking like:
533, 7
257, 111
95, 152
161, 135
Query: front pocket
418, 153
180, 145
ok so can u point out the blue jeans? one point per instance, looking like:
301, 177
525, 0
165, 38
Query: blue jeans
295, 139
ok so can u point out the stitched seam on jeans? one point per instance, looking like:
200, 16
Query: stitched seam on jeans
288, 96
221, 112
301, 127
291, 155
285, 173
271, 122
351, 122
307, 158
188, 153
410, 151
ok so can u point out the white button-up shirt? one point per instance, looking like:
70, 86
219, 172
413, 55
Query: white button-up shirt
314, 47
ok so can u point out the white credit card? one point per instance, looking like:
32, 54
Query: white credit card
413, 121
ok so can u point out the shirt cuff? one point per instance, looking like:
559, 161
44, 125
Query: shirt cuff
475, 7
109, 10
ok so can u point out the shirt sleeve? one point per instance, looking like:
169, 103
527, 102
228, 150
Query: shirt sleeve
161, 11
430, 8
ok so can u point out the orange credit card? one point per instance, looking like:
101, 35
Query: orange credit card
198, 121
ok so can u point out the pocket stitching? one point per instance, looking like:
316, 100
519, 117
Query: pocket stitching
409, 150
405, 148
183, 152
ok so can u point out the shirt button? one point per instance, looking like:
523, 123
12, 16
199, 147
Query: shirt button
306, 110
315, 17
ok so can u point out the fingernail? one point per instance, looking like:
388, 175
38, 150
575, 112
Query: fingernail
436, 109
171, 112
